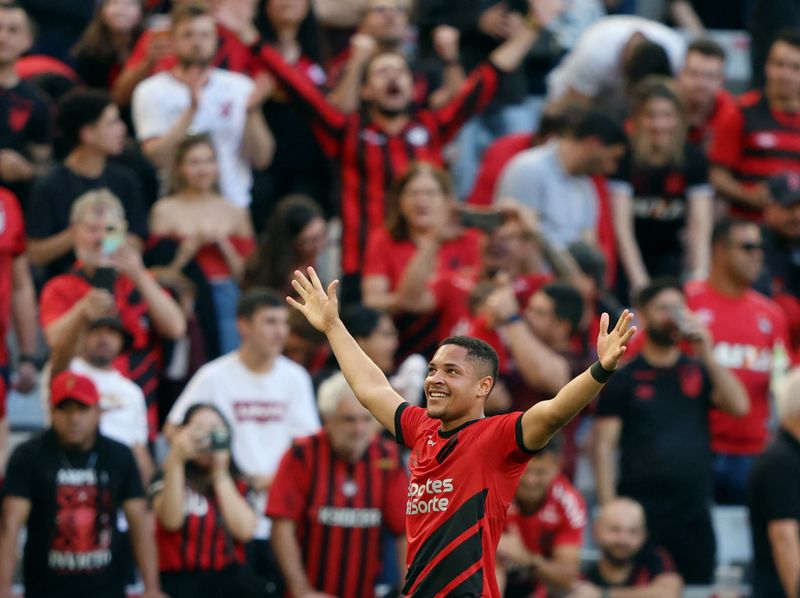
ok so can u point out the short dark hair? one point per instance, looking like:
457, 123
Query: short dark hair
656, 286
361, 321
706, 47
568, 303
788, 35
721, 233
184, 12
254, 299
477, 350
594, 123
80, 108
647, 58
368, 66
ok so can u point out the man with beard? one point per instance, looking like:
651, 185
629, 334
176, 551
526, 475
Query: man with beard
196, 97
627, 560
376, 145
747, 329
123, 409
656, 412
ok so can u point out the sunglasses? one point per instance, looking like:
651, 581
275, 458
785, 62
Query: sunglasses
749, 247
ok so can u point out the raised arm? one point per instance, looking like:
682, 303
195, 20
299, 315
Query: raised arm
368, 382
543, 420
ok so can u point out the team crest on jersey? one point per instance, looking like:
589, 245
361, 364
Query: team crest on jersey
644, 392
706, 316
349, 488
691, 381
418, 136
764, 325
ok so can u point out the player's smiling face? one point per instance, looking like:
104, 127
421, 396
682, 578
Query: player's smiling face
455, 388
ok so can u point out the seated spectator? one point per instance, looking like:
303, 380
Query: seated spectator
296, 235
762, 139
154, 52
208, 229
123, 411
65, 487
92, 130
195, 96
107, 41
554, 180
326, 534
299, 165
660, 194
540, 549
700, 83
384, 27
781, 232
389, 121
656, 412
109, 278
747, 330
774, 501
203, 519
632, 48
628, 562
25, 144
268, 400
421, 229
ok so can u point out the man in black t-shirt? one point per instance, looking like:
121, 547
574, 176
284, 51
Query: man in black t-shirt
627, 560
774, 501
24, 114
93, 130
66, 487
655, 411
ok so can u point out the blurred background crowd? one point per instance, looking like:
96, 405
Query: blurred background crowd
507, 170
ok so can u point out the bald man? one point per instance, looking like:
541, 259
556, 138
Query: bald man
628, 567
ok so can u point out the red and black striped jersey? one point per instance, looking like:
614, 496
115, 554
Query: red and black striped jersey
143, 360
757, 142
462, 483
370, 158
339, 509
203, 543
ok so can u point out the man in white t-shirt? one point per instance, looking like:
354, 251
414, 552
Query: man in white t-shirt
267, 399
612, 54
123, 410
194, 97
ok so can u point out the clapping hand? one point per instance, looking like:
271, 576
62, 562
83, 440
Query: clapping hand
611, 346
320, 308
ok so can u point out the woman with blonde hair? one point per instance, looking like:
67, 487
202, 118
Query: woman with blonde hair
208, 229
661, 199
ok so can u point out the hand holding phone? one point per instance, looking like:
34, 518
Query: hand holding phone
485, 220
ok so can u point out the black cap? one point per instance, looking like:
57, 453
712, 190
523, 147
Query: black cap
114, 323
785, 188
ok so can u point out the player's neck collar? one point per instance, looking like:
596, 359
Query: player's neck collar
454, 431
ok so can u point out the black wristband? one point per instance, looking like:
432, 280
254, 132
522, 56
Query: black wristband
599, 373
32, 359
511, 319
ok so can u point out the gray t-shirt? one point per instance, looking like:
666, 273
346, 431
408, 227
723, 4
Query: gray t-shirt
566, 204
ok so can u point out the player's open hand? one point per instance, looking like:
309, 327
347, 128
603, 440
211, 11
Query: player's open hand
320, 308
611, 346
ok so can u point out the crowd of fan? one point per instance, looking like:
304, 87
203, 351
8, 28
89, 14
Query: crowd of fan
506, 170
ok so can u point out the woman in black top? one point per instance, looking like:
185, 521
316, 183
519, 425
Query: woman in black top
661, 199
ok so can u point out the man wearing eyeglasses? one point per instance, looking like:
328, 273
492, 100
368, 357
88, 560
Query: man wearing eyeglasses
749, 330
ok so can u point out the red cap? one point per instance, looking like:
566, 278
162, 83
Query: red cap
69, 385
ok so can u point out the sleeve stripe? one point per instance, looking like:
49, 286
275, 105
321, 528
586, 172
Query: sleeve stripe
398, 429
520, 440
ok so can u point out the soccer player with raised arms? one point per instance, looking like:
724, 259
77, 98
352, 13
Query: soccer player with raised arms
464, 466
